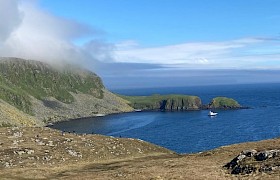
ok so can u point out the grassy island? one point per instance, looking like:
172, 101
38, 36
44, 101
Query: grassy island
164, 102
224, 103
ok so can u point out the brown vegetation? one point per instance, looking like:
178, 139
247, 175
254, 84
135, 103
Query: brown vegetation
43, 153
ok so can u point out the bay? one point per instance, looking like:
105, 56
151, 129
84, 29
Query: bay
194, 131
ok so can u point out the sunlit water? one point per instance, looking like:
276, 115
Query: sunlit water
194, 131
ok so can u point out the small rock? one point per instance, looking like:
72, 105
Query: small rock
7, 164
261, 156
20, 152
249, 153
17, 134
40, 143
50, 143
29, 151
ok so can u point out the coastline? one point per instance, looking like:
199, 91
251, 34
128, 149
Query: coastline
149, 110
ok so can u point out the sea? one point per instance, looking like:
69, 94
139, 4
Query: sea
193, 131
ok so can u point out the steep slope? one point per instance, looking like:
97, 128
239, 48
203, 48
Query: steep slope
12, 116
52, 94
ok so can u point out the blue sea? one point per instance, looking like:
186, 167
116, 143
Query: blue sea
194, 131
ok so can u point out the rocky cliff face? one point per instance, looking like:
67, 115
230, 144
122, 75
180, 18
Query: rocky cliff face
49, 94
179, 103
165, 102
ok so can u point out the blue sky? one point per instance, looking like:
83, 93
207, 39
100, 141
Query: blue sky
166, 22
183, 34
149, 41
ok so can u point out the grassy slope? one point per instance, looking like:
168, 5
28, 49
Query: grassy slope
11, 116
21, 78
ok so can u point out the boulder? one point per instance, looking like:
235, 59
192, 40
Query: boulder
250, 161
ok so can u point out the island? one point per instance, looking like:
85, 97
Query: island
223, 103
164, 102
176, 102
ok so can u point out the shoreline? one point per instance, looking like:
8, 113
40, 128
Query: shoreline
93, 118
150, 110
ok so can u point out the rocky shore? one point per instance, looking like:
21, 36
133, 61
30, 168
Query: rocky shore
52, 110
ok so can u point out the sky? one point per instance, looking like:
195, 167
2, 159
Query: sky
149, 43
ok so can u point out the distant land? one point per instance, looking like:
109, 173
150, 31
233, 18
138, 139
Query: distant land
176, 102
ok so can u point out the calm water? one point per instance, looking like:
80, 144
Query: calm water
194, 131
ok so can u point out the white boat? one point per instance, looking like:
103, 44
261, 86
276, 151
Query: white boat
137, 110
211, 113
100, 115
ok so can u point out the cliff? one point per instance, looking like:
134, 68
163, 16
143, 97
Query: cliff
179, 103
42, 92
164, 102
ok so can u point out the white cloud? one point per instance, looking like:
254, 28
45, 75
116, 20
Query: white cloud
127, 45
100, 50
29, 32
32, 33
10, 18
240, 53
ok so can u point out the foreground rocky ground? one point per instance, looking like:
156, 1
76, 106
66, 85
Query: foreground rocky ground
43, 153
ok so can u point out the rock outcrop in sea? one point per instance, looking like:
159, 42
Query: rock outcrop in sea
223, 103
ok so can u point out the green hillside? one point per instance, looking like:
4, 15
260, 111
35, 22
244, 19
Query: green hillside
20, 78
36, 93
